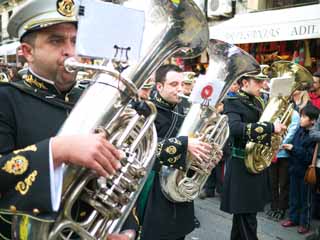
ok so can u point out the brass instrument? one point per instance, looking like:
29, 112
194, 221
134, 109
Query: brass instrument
3, 77
257, 156
178, 29
227, 64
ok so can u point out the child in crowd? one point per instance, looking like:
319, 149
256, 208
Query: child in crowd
301, 152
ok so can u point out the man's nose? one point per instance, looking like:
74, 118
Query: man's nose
69, 49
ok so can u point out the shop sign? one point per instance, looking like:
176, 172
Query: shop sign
267, 33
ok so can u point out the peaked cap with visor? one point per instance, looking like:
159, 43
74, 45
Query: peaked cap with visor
38, 14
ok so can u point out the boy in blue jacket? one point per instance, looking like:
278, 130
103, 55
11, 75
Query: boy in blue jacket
301, 152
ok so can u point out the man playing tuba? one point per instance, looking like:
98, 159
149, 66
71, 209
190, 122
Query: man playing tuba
244, 193
159, 218
33, 109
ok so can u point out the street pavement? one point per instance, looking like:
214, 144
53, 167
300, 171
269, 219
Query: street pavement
216, 225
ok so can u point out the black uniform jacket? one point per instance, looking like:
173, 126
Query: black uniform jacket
164, 219
244, 192
31, 111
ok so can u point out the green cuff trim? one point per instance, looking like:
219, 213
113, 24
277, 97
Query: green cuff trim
238, 153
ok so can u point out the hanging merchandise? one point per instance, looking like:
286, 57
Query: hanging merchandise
301, 54
284, 53
258, 52
253, 49
307, 61
295, 57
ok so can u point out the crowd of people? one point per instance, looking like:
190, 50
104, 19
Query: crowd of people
33, 108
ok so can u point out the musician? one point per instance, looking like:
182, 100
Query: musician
160, 218
145, 90
32, 110
188, 83
244, 193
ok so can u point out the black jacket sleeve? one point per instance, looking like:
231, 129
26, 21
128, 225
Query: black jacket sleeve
243, 128
172, 152
24, 173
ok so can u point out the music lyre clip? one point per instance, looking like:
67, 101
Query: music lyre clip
120, 60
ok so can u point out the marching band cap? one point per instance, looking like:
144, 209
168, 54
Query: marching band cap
188, 77
38, 14
147, 85
263, 75
316, 74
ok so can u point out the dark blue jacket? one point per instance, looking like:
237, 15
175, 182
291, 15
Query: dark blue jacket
301, 153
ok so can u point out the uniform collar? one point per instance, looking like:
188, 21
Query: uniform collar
251, 100
36, 82
163, 102
245, 95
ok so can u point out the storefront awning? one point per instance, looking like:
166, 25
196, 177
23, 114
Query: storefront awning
9, 49
269, 26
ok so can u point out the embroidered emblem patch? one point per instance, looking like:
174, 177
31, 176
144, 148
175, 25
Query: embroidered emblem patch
175, 141
174, 159
66, 8
33, 82
259, 130
159, 149
31, 148
16, 165
171, 150
23, 186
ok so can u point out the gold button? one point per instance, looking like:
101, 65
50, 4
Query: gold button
35, 211
13, 209
181, 168
161, 162
82, 214
171, 166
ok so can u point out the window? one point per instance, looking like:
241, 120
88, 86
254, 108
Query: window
288, 3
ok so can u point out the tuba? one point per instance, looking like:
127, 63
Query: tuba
227, 64
172, 28
279, 108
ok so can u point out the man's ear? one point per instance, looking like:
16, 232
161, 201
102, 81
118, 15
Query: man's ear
27, 51
159, 86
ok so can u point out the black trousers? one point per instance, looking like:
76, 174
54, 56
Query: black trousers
182, 238
244, 226
280, 184
215, 180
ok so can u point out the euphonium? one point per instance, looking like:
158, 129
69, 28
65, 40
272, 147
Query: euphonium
176, 28
279, 108
227, 64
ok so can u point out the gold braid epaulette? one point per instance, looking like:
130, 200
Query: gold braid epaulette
33, 82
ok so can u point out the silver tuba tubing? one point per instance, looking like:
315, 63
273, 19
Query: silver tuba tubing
178, 29
227, 64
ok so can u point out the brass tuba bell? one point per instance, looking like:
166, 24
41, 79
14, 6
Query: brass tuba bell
227, 64
257, 156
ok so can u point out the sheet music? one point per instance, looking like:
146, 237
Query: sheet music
281, 86
206, 91
102, 25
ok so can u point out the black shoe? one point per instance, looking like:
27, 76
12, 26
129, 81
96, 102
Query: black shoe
270, 214
282, 214
196, 222
278, 214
